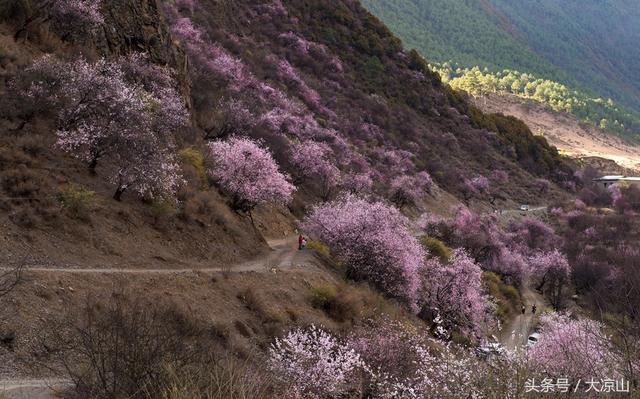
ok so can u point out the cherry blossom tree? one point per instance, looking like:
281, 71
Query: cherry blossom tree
357, 183
106, 114
248, 173
234, 117
312, 161
532, 235
71, 19
553, 273
388, 348
315, 364
407, 190
501, 176
573, 348
373, 241
452, 292
75, 18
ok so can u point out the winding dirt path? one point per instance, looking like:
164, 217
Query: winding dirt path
284, 255
515, 334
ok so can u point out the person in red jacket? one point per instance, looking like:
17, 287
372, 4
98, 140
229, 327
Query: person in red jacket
300, 241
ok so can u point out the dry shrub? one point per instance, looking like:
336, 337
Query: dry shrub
205, 209
31, 144
221, 378
113, 348
507, 296
351, 303
193, 166
273, 319
318, 246
77, 200
162, 212
21, 182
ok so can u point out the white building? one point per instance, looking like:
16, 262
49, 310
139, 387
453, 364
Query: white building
606, 181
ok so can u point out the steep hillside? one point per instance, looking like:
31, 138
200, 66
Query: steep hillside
309, 77
469, 32
567, 43
595, 42
273, 199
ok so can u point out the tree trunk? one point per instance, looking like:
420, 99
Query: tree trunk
92, 166
118, 194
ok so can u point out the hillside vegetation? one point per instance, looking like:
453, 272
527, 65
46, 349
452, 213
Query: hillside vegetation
567, 47
605, 114
160, 159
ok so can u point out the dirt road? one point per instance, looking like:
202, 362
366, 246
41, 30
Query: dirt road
284, 255
32, 389
516, 333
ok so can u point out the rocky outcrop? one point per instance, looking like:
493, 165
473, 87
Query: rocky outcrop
139, 25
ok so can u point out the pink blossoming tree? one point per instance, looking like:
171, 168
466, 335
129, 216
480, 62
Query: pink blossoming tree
552, 271
107, 113
373, 241
312, 161
406, 190
575, 349
452, 291
315, 364
70, 19
248, 174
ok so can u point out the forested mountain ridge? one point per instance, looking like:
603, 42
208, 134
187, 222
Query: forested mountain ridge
587, 46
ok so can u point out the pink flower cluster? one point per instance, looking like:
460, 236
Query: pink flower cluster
408, 190
389, 360
312, 160
248, 173
289, 74
315, 363
573, 348
374, 242
453, 292
123, 112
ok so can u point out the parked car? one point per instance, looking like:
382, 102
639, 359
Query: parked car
533, 339
524, 207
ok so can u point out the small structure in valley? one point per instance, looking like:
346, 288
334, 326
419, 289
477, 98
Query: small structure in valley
606, 181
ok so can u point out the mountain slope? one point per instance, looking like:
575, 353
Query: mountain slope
461, 30
589, 45
594, 41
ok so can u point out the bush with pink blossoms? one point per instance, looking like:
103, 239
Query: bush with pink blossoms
71, 19
290, 76
473, 187
312, 160
372, 239
357, 183
408, 190
388, 348
315, 364
500, 176
616, 194
531, 234
552, 271
248, 173
234, 117
112, 113
573, 348
542, 185
452, 291
208, 58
